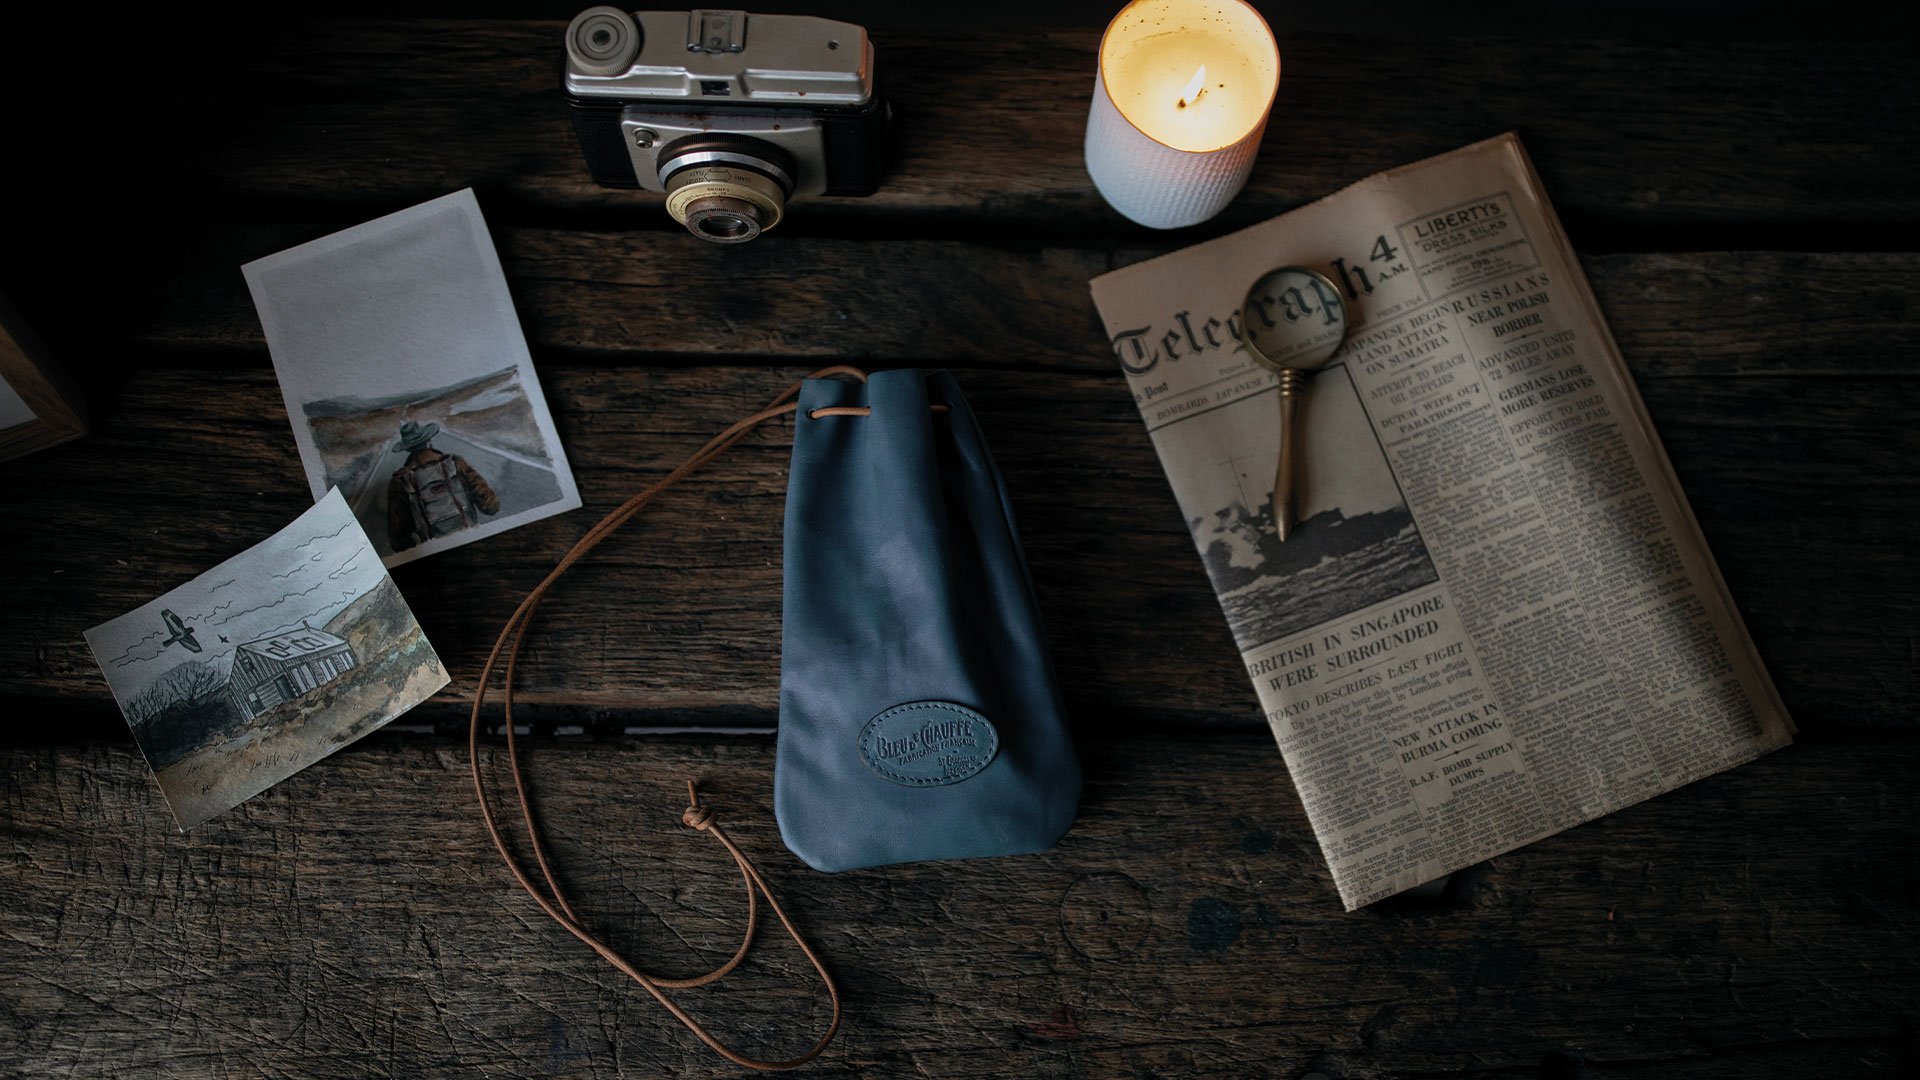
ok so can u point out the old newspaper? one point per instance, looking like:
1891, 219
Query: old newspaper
1497, 618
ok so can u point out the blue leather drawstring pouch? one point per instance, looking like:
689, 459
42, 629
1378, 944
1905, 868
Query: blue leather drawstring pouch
919, 713
919, 718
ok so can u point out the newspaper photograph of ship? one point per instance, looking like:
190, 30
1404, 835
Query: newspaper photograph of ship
1355, 545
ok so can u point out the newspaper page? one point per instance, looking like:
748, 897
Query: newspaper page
1497, 617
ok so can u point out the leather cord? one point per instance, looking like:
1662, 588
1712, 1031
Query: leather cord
860, 410
553, 900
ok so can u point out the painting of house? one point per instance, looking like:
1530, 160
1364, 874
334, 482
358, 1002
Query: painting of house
266, 663
270, 670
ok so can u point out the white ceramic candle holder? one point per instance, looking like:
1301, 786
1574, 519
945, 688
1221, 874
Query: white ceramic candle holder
1180, 100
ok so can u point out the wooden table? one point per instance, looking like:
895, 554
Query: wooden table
1747, 210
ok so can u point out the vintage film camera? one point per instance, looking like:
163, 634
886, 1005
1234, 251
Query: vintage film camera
728, 114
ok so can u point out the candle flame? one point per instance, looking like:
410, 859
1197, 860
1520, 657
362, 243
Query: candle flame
1193, 88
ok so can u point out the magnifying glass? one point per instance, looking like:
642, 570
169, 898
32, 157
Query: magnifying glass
1293, 321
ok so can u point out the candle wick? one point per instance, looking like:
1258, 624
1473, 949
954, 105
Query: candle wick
1195, 87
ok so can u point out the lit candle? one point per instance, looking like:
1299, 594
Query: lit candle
1179, 103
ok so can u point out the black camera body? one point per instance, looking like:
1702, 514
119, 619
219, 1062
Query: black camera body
728, 114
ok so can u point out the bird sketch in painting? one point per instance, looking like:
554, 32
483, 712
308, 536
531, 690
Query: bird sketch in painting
179, 632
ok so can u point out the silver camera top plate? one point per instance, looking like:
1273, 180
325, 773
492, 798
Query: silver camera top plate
732, 56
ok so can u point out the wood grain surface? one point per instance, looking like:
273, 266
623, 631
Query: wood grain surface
354, 921
652, 297
990, 125
1746, 211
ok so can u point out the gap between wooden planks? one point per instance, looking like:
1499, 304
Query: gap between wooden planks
1803, 502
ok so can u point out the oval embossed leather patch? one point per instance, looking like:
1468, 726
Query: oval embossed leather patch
928, 743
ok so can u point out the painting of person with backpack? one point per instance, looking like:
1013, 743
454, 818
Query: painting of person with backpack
433, 493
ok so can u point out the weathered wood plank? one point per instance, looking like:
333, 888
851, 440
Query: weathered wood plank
353, 921
1805, 498
370, 113
666, 296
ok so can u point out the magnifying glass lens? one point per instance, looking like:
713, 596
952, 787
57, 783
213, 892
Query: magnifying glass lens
1294, 318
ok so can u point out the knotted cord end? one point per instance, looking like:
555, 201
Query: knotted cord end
508, 646
695, 816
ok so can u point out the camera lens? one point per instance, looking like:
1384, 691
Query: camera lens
725, 219
726, 188
725, 226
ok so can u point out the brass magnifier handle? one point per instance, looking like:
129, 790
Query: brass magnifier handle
1302, 326
1292, 385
